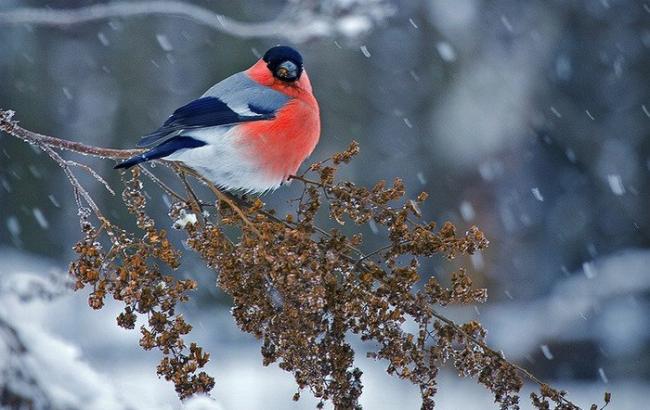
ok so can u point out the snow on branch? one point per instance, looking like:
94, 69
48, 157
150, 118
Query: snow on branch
298, 21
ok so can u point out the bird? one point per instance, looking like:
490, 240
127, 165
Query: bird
250, 132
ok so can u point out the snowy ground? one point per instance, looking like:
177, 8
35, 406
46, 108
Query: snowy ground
81, 359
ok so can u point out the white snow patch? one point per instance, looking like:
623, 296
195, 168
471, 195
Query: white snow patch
184, 219
201, 403
59, 369
353, 26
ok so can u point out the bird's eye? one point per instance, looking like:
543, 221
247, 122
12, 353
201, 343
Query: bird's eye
287, 71
282, 72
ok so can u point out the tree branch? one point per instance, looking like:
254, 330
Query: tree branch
200, 15
10, 126
49, 144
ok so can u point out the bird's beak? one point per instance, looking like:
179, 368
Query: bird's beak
288, 70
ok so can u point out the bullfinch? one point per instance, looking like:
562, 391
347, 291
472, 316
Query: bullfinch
249, 132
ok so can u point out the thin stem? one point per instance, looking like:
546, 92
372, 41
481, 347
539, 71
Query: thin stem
161, 184
93, 173
10, 126
494, 353
223, 197
195, 201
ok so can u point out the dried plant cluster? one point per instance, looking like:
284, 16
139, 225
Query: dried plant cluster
301, 289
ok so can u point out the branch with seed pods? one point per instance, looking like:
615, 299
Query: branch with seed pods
299, 288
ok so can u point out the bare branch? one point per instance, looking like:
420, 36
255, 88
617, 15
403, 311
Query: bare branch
64, 17
93, 173
297, 21
79, 190
10, 126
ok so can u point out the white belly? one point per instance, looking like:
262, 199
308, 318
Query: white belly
224, 161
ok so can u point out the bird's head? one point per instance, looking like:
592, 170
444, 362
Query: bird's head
284, 63
281, 68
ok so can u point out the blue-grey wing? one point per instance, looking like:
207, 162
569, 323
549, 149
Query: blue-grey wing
234, 100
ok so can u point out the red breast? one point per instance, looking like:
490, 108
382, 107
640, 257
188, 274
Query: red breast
283, 143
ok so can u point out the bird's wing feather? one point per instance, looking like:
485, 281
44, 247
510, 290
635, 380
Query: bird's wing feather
234, 100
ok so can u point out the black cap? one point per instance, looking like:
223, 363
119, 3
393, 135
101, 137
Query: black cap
278, 55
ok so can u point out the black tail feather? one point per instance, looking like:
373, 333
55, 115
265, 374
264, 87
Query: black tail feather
131, 162
166, 148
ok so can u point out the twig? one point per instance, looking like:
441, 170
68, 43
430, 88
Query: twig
379, 250
161, 184
220, 196
496, 354
78, 189
180, 172
93, 173
10, 126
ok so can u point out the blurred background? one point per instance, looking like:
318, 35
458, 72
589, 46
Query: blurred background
528, 119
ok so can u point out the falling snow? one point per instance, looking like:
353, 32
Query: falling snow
546, 351
13, 226
103, 39
67, 93
616, 184
467, 211
506, 23
603, 376
477, 261
164, 42
645, 110
40, 218
533, 129
571, 155
373, 226
589, 270
54, 201
556, 112
446, 51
